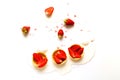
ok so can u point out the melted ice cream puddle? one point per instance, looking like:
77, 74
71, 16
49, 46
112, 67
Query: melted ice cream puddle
50, 44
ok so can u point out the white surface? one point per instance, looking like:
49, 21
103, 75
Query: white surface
101, 16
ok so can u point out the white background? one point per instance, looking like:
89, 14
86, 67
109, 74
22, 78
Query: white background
102, 16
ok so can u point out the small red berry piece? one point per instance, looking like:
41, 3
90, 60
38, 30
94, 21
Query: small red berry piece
69, 22
39, 59
36, 57
60, 33
49, 11
76, 51
25, 30
59, 56
42, 63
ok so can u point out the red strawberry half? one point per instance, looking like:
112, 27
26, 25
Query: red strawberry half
39, 59
76, 51
59, 56
69, 22
49, 11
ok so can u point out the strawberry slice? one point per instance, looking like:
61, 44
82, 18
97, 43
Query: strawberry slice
49, 11
60, 34
76, 51
72, 54
77, 56
42, 63
57, 60
75, 47
39, 59
25, 30
80, 51
59, 56
69, 22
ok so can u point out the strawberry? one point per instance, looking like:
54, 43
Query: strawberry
42, 63
25, 30
75, 47
80, 51
71, 53
60, 33
69, 22
57, 60
49, 11
39, 59
36, 57
75, 51
59, 56
78, 54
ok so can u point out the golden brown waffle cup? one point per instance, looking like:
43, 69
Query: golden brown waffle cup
77, 59
55, 61
35, 65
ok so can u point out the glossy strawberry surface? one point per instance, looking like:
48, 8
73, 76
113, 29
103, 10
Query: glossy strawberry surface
59, 56
76, 51
39, 59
